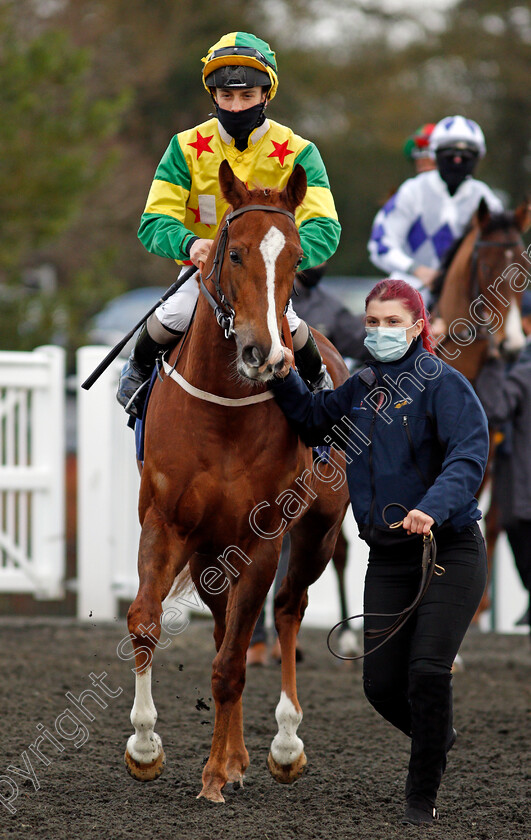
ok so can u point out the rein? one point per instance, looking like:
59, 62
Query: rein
223, 310
429, 567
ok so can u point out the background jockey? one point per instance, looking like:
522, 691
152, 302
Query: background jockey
185, 206
417, 148
416, 227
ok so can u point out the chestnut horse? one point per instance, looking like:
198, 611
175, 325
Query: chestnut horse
480, 298
224, 478
480, 303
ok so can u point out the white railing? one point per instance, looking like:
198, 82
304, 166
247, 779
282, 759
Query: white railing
32, 450
108, 484
32, 455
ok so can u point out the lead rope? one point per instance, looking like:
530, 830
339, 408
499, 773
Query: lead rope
429, 568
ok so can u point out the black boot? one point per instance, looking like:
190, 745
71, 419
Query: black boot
310, 366
451, 739
432, 735
136, 373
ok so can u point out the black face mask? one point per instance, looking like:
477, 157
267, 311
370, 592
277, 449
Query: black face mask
311, 276
240, 124
453, 173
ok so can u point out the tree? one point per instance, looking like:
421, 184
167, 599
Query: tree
51, 136
54, 149
354, 77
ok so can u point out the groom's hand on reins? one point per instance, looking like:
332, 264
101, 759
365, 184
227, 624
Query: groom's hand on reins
286, 367
200, 250
417, 522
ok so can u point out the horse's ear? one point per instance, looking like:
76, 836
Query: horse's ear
522, 216
483, 214
295, 190
234, 191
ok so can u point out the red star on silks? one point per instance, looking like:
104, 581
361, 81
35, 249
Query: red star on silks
281, 151
202, 144
197, 213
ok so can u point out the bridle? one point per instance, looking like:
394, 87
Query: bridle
223, 310
476, 271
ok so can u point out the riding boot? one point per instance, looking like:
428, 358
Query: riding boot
310, 366
136, 373
432, 735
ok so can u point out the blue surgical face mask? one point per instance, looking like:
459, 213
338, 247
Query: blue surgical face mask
387, 344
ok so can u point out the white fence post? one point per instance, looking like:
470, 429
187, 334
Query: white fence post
108, 484
32, 431
48, 430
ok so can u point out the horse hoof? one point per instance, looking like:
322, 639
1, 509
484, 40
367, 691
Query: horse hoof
286, 773
145, 772
348, 643
257, 655
212, 793
458, 665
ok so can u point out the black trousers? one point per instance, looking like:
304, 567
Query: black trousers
519, 535
430, 639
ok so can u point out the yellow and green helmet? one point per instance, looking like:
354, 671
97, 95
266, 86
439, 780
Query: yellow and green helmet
240, 60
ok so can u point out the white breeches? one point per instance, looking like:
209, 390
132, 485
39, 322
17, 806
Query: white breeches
176, 312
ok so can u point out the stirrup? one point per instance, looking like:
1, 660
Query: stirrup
133, 381
136, 410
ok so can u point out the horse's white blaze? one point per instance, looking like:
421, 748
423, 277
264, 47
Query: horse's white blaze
286, 746
145, 745
270, 247
514, 334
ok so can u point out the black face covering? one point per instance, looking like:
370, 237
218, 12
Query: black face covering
311, 276
454, 173
240, 124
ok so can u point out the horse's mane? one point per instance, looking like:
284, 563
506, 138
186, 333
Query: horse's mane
452, 251
499, 221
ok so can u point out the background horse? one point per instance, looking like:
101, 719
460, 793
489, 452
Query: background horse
480, 303
225, 477
480, 298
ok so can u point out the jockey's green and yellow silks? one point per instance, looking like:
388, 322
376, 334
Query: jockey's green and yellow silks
213, 59
185, 198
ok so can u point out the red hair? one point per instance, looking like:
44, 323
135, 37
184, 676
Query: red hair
389, 289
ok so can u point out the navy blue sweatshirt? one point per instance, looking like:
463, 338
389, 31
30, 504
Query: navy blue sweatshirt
413, 430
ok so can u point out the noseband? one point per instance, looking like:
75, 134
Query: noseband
223, 310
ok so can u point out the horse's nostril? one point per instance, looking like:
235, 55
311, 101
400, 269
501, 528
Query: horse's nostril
252, 356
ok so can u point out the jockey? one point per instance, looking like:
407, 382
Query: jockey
416, 227
184, 207
417, 149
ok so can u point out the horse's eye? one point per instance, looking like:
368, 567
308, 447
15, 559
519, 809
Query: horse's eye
297, 264
234, 257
